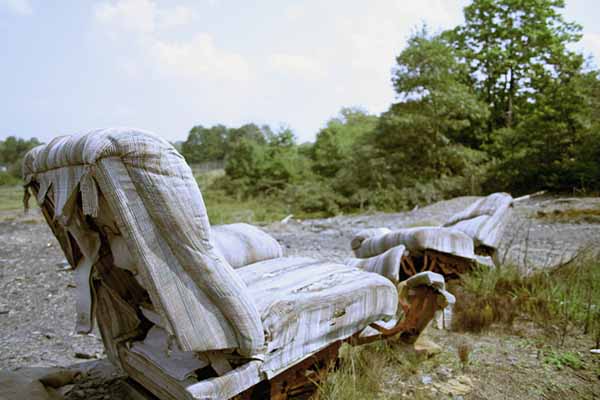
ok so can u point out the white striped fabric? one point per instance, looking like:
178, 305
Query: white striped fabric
243, 244
307, 304
444, 240
386, 264
484, 221
365, 234
160, 212
228, 385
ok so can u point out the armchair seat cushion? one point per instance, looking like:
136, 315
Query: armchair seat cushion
307, 304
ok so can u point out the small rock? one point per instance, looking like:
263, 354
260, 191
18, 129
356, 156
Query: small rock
64, 266
424, 345
63, 390
459, 386
426, 379
85, 356
444, 373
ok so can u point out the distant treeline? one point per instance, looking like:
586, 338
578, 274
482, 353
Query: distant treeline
12, 150
497, 103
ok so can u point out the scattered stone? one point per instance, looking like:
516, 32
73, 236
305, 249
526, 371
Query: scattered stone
64, 390
459, 386
426, 379
287, 219
85, 356
444, 373
63, 266
424, 345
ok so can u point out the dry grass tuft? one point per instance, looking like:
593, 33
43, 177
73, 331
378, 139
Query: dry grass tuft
464, 350
561, 302
573, 215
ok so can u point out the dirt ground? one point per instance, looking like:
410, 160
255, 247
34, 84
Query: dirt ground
37, 306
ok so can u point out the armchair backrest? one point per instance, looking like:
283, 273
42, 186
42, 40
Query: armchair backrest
158, 208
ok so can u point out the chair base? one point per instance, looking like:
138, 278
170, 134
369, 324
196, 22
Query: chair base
301, 380
450, 266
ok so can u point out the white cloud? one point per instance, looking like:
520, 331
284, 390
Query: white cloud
20, 7
294, 11
127, 15
141, 16
178, 16
303, 66
198, 58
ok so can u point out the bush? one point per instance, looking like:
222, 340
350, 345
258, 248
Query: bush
559, 301
315, 198
7, 178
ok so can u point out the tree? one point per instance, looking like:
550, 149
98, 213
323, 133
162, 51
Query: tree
436, 105
12, 150
556, 145
205, 144
335, 143
258, 167
248, 131
510, 46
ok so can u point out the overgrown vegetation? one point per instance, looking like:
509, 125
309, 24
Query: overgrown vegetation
11, 197
561, 302
362, 371
497, 103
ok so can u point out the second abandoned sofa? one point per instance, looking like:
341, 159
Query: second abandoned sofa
191, 312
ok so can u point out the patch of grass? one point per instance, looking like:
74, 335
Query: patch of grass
485, 296
560, 360
11, 198
224, 208
561, 302
574, 215
425, 222
363, 369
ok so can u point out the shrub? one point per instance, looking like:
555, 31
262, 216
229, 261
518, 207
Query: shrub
558, 301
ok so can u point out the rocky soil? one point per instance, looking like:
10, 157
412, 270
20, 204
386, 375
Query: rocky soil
37, 297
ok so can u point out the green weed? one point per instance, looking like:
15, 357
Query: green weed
565, 359
561, 301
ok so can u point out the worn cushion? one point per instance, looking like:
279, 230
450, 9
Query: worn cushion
159, 210
307, 304
386, 264
444, 240
243, 244
484, 220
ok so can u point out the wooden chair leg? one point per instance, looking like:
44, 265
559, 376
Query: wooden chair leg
422, 307
302, 379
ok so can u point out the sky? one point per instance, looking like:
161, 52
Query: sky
69, 66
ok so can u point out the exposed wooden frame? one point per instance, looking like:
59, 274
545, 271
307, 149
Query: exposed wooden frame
451, 267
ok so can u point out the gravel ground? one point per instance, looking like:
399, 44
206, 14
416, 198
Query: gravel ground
37, 296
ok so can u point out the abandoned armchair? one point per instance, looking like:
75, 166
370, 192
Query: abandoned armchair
468, 238
194, 312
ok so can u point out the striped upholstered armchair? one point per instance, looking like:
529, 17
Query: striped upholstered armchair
194, 312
